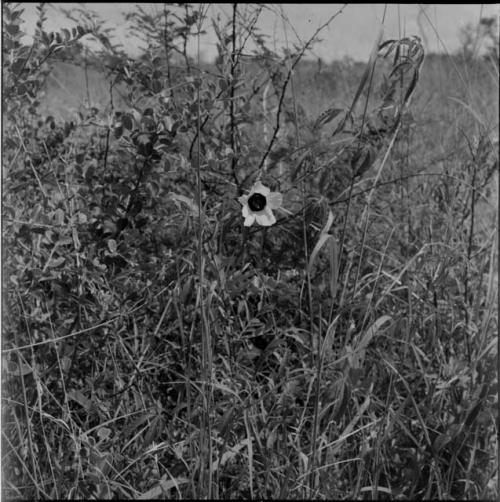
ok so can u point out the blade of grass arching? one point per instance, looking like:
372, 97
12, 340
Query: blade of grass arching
321, 241
345, 282
19, 495
186, 352
15, 451
366, 77
29, 431
451, 59
349, 430
370, 67
132, 355
471, 110
39, 405
379, 271
66, 409
48, 448
358, 271
205, 479
250, 453
492, 290
307, 261
469, 472
371, 332
324, 237
412, 399
366, 214
395, 132
319, 363
334, 268
285, 487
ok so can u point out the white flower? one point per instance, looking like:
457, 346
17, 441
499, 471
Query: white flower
258, 205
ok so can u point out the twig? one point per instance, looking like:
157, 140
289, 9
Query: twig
283, 91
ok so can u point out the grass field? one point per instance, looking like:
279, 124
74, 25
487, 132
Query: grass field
154, 346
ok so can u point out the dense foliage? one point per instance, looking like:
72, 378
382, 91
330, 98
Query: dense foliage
154, 346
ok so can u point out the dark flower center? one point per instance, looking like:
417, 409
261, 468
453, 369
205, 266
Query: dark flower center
257, 202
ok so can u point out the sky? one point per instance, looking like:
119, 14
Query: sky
351, 34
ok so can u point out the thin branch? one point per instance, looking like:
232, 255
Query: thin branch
290, 71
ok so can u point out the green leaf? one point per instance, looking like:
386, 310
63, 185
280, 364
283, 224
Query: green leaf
57, 262
12, 29
362, 160
156, 86
370, 67
15, 369
78, 396
223, 84
127, 121
112, 245
118, 131
103, 433
186, 200
372, 331
18, 65
327, 116
334, 267
163, 488
66, 34
299, 164
323, 238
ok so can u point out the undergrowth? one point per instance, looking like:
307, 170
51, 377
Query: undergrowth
155, 347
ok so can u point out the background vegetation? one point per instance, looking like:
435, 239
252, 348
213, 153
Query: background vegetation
154, 347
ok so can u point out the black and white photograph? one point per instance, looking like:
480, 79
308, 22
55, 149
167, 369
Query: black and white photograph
249, 251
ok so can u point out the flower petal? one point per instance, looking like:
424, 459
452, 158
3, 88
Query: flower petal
260, 188
275, 199
245, 211
265, 218
249, 220
243, 199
